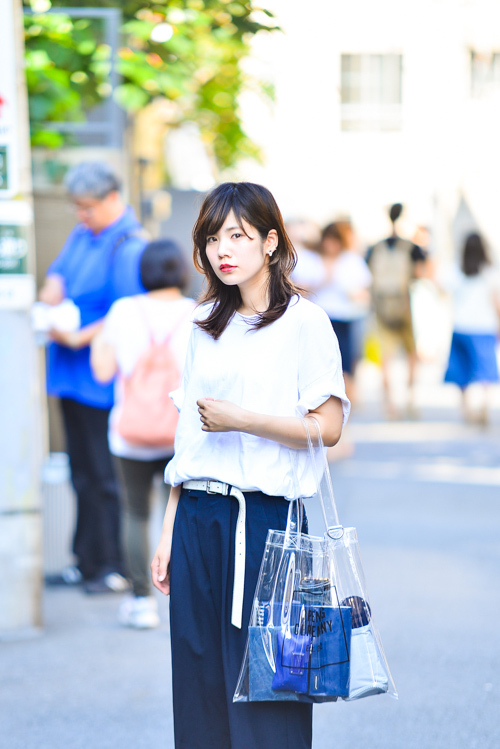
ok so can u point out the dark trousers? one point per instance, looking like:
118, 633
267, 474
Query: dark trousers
207, 650
136, 478
345, 332
96, 542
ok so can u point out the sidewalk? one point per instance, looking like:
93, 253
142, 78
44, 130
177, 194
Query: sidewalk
424, 497
86, 682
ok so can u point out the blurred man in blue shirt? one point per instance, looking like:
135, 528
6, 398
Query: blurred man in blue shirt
98, 264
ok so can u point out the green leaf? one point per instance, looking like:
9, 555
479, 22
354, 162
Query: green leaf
130, 97
199, 68
47, 139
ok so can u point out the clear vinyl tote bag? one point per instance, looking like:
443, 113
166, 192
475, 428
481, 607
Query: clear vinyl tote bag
311, 636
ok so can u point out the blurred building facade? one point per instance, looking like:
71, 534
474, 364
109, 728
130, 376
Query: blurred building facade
382, 102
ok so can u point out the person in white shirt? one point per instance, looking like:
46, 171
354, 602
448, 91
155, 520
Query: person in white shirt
475, 291
309, 272
345, 293
162, 316
259, 358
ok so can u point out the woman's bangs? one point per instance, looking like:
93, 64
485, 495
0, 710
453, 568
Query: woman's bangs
213, 219
236, 208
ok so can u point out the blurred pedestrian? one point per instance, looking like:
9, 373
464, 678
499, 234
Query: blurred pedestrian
344, 294
309, 271
144, 339
475, 290
259, 354
98, 264
394, 263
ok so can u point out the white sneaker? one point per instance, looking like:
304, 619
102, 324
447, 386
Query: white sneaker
140, 612
71, 575
116, 582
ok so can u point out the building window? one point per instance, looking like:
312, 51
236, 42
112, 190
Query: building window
484, 74
371, 92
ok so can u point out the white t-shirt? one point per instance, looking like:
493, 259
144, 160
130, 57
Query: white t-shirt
309, 271
128, 329
473, 300
350, 274
285, 369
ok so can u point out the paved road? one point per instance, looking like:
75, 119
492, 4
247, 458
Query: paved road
425, 498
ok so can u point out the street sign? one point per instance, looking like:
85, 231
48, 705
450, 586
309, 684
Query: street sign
4, 168
9, 183
16, 217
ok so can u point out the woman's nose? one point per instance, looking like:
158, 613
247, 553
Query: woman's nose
224, 249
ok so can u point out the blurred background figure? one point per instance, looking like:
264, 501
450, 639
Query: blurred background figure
475, 291
394, 263
344, 293
305, 237
98, 264
144, 339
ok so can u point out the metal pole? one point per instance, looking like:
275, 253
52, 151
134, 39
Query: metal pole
20, 409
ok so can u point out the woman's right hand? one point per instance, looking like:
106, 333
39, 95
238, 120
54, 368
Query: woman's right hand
160, 567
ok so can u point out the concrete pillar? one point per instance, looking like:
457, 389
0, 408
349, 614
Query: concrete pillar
20, 411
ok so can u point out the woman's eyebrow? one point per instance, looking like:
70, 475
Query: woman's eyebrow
232, 228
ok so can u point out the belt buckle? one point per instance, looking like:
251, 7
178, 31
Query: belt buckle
214, 491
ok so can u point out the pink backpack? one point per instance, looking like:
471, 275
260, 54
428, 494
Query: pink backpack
147, 415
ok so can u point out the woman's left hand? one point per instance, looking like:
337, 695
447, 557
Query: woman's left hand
220, 416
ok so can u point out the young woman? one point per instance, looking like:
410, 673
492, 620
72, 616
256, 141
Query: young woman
475, 290
162, 316
258, 358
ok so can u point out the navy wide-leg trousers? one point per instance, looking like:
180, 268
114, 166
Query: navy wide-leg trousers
207, 650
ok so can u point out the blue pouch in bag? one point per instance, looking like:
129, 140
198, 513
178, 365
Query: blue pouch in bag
292, 662
313, 656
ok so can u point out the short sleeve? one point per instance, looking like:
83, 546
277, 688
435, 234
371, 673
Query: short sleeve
309, 271
112, 324
320, 365
125, 276
58, 266
355, 274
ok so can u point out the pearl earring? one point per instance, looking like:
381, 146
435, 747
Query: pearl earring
270, 253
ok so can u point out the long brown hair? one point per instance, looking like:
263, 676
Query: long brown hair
475, 256
255, 205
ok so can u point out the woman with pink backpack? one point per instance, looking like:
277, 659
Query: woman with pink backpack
144, 341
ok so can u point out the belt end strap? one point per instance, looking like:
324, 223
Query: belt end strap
239, 560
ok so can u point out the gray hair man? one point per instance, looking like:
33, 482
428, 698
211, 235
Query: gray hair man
98, 264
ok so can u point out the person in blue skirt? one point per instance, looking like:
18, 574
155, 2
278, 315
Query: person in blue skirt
260, 357
475, 290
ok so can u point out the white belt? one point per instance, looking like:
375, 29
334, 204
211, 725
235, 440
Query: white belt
219, 487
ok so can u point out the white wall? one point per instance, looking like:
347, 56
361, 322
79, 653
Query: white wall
448, 143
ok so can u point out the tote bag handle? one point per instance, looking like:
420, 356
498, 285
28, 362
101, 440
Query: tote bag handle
324, 489
323, 479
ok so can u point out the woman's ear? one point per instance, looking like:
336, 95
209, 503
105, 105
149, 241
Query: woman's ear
271, 243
